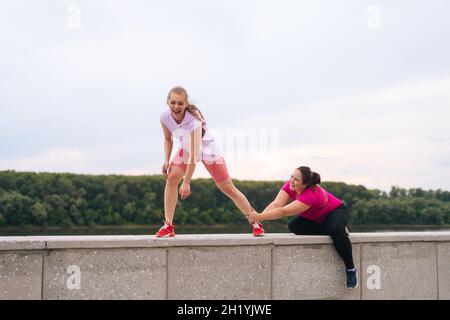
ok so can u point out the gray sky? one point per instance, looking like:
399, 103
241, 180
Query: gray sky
358, 90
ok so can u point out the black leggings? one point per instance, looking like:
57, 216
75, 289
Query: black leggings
334, 226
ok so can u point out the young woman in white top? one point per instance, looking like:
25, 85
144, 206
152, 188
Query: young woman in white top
184, 122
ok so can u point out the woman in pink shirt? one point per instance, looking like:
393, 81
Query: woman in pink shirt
318, 213
184, 122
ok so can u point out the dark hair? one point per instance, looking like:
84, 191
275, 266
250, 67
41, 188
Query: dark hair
309, 177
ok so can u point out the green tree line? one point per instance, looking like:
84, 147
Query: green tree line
64, 199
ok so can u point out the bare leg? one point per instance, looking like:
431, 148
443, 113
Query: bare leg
230, 190
171, 192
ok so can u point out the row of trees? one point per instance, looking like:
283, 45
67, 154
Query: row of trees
49, 199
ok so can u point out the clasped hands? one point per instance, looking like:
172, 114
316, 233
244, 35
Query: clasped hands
252, 216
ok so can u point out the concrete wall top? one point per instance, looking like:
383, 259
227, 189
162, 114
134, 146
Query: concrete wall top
189, 240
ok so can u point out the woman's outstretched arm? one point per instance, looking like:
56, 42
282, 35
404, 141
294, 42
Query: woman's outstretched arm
280, 200
296, 207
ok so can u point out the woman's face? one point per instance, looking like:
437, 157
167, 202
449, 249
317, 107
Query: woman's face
177, 104
296, 181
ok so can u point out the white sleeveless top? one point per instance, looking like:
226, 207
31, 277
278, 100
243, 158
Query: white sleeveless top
182, 131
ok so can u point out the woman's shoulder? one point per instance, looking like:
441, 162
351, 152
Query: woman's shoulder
190, 122
286, 183
164, 115
308, 192
286, 188
190, 117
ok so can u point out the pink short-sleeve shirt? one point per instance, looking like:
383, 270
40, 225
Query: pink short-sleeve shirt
321, 202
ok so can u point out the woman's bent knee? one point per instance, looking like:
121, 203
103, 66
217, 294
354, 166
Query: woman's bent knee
337, 233
174, 177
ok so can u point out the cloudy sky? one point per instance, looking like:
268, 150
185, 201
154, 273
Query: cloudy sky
357, 90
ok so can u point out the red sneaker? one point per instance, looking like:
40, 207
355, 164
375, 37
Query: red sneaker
257, 229
166, 229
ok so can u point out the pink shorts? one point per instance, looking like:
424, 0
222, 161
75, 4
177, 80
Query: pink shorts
217, 169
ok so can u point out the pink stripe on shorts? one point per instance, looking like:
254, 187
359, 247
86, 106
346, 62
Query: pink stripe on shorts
217, 168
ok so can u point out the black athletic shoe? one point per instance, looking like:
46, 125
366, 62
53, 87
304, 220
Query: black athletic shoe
352, 279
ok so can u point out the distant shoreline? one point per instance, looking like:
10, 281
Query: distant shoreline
136, 229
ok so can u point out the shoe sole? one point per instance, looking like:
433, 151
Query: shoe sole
169, 235
357, 284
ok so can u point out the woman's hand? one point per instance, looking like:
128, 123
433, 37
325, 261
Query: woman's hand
165, 168
185, 190
253, 216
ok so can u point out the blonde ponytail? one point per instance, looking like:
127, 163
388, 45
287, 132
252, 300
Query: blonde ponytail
196, 113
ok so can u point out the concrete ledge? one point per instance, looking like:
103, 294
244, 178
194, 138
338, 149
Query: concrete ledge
311, 272
20, 276
393, 265
66, 242
219, 273
211, 240
428, 236
443, 255
105, 274
21, 243
81, 242
408, 270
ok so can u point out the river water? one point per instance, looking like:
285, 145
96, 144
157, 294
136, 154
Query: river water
189, 229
